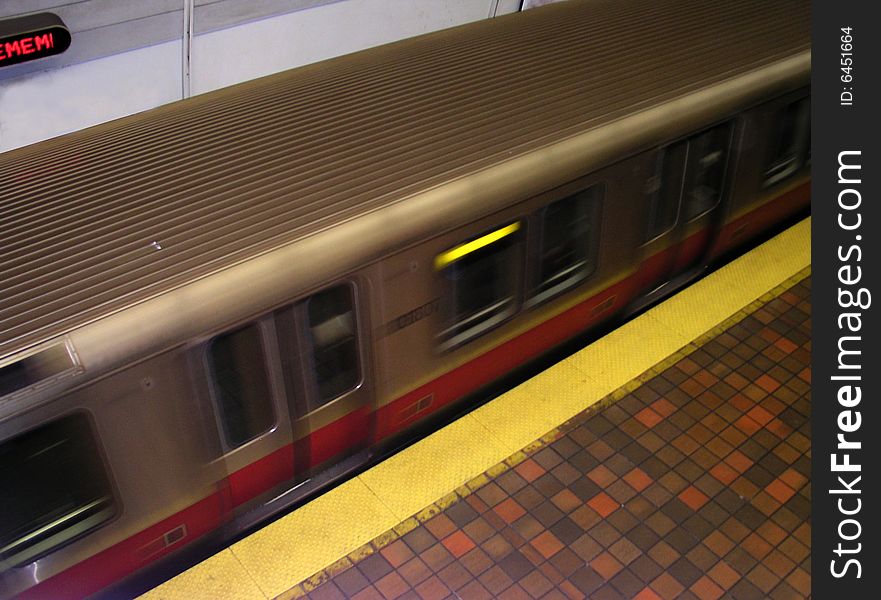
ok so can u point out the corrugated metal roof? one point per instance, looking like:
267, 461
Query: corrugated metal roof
222, 176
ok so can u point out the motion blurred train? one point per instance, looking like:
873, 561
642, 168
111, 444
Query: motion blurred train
210, 310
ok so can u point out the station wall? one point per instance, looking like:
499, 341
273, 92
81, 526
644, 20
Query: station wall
129, 56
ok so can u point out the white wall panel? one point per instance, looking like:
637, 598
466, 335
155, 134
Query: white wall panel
47, 104
508, 6
75, 90
264, 47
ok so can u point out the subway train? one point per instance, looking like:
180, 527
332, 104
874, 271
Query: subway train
214, 309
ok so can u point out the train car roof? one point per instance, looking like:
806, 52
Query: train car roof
107, 217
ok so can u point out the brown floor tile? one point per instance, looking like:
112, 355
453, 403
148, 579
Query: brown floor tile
663, 554
327, 591
586, 547
744, 590
757, 547
724, 575
515, 592
475, 590
476, 561
625, 551
369, 593
763, 578
479, 530
432, 588
455, 576
529, 497
586, 579
606, 565
536, 584
374, 567
784, 591
495, 580
397, 553
667, 586
440, 526
706, 589
571, 592
566, 501
415, 571
626, 583
392, 586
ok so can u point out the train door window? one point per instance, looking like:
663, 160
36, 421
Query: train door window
666, 189
334, 343
241, 385
54, 487
481, 278
568, 241
790, 141
705, 170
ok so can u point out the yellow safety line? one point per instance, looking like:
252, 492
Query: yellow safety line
302, 549
451, 256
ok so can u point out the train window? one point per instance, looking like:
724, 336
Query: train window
333, 337
482, 283
568, 240
790, 141
54, 487
241, 386
667, 189
705, 170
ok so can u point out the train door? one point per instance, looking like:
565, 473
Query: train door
245, 387
687, 202
292, 392
322, 341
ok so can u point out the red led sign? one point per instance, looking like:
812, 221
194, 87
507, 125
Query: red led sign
32, 37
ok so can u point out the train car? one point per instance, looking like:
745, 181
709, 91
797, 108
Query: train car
210, 310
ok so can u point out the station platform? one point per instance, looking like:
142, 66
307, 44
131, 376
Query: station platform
669, 459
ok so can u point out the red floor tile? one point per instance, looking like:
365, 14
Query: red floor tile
648, 417
780, 491
603, 504
693, 497
547, 544
739, 461
529, 470
458, 543
768, 383
509, 510
637, 479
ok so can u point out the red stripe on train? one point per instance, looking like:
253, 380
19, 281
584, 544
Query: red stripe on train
395, 416
126, 557
744, 228
342, 435
252, 480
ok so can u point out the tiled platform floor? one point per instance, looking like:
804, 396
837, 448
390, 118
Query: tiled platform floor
693, 485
